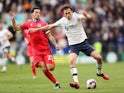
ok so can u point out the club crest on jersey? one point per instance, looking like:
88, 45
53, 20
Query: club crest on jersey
39, 25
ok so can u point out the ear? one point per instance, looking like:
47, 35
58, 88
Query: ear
31, 14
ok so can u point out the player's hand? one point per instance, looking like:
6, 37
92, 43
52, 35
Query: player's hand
11, 14
86, 15
57, 47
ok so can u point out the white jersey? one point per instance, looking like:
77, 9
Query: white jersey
4, 33
73, 28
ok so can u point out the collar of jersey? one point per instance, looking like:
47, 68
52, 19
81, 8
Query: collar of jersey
36, 21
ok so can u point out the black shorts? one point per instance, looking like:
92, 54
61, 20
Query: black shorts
84, 47
6, 49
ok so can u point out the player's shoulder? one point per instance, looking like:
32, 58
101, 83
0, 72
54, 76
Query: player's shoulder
63, 19
5, 30
28, 21
43, 22
75, 14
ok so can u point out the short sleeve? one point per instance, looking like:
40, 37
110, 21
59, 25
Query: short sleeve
24, 26
79, 16
58, 23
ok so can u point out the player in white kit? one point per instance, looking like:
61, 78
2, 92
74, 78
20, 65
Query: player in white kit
71, 22
5, 35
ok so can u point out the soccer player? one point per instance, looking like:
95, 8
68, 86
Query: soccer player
72, 26
39, 41
5, 36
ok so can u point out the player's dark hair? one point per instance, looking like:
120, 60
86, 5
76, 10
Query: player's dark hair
32, 10
65, 7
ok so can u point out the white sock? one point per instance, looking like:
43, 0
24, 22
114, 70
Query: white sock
5, 61
4, 68
99, 68
74, 74
13, 59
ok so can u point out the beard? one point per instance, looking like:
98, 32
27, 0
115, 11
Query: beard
37, 18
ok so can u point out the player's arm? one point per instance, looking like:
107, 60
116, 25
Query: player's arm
26, 40
86, 15
47, 27
16, 28
53, 41
10, 36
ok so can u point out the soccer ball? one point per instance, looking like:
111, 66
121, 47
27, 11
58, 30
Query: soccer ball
91, 84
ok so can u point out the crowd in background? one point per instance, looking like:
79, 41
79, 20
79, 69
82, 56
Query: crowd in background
106, 25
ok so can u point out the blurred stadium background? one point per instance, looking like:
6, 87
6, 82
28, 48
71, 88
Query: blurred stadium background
105, 31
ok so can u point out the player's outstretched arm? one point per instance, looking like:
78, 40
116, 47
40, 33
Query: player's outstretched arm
16, 28
47, 27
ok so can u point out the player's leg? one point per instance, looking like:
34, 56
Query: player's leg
11, 58
74, 72
89, 51
98, 57
48, 74
49, 61
50, 67
33, 68
7, 50
4, 57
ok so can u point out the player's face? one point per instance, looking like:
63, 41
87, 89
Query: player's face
68, 14
36, 14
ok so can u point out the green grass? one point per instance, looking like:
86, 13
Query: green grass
17, 80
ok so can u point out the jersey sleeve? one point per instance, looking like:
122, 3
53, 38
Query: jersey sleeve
79, 16
58, 23
24, 26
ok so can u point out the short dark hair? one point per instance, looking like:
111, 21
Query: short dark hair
32, 10
65, 7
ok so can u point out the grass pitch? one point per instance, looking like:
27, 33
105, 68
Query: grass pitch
17, 80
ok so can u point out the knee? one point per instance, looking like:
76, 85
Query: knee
44, 69
51, 67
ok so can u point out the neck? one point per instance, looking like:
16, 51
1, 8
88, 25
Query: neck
35, 20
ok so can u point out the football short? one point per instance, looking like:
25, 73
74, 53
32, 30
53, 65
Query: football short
29, 50
84, 47
45, 57
6, 49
